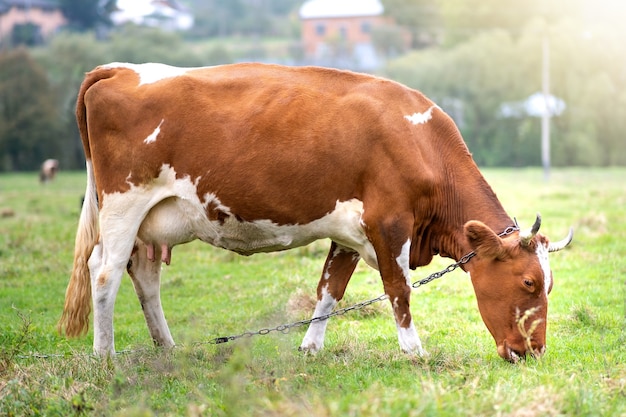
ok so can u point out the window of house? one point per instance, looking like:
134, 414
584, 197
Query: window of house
320, 29
343, 32
366, 27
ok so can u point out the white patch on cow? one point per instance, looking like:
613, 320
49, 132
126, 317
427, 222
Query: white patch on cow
409, 340
314, 338
542, 254
421, 118
403, 261
152, 137
342, 225
150, 72
213, 200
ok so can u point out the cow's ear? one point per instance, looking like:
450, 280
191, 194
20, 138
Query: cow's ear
484, 241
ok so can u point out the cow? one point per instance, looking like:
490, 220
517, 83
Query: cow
257, 158
48, 170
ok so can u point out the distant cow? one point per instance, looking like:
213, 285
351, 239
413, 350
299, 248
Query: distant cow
258, 158
49, 169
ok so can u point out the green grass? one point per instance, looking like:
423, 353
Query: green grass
208, 293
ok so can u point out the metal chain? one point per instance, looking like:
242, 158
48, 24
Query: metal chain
286, 328
464, 259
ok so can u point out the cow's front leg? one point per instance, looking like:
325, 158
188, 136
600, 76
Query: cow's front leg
338, 269
397, 282
144, 269
393, 250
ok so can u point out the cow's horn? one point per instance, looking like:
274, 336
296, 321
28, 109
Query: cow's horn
528, 235
557, 246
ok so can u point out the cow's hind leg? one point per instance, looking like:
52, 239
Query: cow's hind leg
107, 263
146, 276
103, 342
338, 269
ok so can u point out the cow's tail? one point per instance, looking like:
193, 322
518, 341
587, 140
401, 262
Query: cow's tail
75, 318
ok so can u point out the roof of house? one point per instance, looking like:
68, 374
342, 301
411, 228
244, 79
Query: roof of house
315, 9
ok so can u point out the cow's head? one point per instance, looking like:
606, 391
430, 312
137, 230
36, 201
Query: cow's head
512, 279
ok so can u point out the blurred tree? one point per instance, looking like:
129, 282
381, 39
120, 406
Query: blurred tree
27, 34
66, 59
466, 18
590, 77
421, 17
29, 130
389, 39
87, 14
218, 55
216, 18
453, 21
151, 45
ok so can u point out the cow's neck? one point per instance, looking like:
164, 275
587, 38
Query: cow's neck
467, 196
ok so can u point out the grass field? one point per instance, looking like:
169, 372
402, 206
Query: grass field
208, 293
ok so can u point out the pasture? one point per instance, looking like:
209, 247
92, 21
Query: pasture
208, 292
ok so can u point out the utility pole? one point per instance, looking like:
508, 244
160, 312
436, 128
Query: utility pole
545, 117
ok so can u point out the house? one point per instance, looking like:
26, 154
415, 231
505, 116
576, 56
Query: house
45, 15
340, 31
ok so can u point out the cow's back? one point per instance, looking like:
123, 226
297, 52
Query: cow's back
271, 142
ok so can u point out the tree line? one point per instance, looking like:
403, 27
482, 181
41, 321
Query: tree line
470, 56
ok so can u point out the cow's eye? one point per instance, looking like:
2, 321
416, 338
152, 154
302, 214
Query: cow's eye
529, 283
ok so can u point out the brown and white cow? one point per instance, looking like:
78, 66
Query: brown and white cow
48, 170
258, 158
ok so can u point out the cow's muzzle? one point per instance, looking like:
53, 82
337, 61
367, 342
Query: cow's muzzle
514, 355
